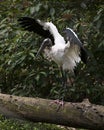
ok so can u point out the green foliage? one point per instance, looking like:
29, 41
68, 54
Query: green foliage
6, 124
22, 74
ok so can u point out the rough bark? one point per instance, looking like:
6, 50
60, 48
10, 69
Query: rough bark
78, 115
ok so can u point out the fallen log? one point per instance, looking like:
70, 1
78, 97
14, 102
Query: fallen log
78, 115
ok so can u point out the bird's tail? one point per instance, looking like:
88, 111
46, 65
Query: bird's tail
84, 55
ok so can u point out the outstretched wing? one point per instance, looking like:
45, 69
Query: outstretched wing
35, 26
75, 43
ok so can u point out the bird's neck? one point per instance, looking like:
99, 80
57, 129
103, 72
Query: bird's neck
57, 37
53, 29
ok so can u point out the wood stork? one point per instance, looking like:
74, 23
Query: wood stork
66, 51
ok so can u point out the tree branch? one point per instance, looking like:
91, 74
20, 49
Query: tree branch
78, 115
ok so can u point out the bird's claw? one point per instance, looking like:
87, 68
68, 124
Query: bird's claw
58, 102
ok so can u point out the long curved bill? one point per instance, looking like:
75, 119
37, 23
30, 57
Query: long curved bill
40, 50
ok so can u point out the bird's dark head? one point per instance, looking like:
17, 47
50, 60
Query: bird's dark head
47, 43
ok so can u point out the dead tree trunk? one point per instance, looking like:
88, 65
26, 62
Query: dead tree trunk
78, 115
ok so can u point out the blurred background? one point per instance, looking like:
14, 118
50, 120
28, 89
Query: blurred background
23, 75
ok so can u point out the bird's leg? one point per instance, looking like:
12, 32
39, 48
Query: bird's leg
64, 82
64, 87
60, 101
64, 78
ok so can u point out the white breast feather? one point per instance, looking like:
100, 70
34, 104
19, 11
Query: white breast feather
64, 55
71, 57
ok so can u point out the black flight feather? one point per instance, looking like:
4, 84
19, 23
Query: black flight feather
35, 26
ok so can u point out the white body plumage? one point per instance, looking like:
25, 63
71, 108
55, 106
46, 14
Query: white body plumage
62, 53
65, 52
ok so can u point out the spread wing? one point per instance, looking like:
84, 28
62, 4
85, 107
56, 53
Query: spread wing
36, 26
75, 44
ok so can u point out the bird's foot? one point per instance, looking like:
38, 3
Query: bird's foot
60, 103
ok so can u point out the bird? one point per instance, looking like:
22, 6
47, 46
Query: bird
66, 51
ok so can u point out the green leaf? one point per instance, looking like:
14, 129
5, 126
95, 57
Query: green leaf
32, 54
